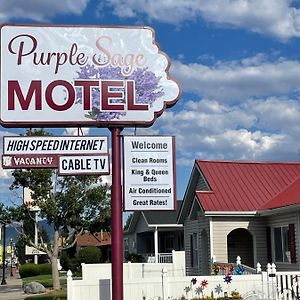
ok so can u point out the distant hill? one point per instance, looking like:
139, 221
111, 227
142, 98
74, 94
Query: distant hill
11, 232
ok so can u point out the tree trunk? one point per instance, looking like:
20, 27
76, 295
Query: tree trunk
55, 274
53, 258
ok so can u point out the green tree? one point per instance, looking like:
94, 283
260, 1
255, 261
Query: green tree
89, 255
70, 204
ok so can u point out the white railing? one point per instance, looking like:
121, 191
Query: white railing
165, 258
282, 285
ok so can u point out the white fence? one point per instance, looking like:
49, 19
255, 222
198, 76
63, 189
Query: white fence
94, 272
166, 287
167, 282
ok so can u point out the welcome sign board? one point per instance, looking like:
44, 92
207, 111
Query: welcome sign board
83, 75
149, 173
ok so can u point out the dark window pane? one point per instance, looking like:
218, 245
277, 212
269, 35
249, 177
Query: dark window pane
278, 244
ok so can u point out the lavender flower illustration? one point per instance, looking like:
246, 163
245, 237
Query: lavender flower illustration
147, 89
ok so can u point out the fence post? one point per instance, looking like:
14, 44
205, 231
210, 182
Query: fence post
174, 262
265, 285
271, 273
238, 260
212, 262
164, 283
269, 282
69, 285
129, 270
274, 285
258, 268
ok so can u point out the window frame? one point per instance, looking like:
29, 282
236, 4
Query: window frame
285, 251
194, 250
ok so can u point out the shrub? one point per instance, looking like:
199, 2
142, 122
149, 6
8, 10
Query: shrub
89, 255
29, 270
45, 269
135, 258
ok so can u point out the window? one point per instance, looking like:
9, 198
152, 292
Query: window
282, 245
194, 250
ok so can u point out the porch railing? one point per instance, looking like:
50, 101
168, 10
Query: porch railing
162, 258
165, 258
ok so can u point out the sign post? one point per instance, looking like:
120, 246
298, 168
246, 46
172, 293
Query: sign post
94, 76
116, 213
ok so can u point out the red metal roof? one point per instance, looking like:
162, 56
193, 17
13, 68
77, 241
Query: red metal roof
247, 186
289, 196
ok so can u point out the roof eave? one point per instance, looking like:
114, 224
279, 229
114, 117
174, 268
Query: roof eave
230, 213
165, 225
282, 209
183, 210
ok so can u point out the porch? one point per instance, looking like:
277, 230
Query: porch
156, 246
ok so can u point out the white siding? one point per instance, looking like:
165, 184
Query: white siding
222, 226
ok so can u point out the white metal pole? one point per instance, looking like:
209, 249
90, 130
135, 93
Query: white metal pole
156, 244
35, 236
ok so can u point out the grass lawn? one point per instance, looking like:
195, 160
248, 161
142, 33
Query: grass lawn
45, 280
57, 295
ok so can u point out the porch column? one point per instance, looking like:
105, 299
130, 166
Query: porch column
156, 244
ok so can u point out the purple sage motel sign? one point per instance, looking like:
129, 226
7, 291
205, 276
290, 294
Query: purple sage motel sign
65, 75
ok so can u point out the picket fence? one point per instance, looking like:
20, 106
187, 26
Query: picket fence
163, 282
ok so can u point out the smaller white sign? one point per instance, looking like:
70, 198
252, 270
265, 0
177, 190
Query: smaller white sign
149, 173
33, 251
74, 165
28, 201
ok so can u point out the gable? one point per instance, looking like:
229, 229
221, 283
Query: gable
196, 182
141, 225
195, 209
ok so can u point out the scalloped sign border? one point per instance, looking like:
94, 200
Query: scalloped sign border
68, 75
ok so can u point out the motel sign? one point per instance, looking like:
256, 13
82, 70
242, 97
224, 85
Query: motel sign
88, 76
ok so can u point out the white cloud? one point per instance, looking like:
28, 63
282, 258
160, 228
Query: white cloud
239, 80
276, 18
39, 11
264, 129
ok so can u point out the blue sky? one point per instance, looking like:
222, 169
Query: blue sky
238, 62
